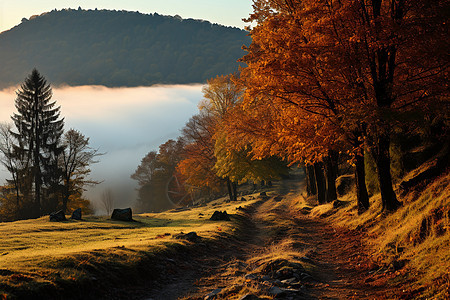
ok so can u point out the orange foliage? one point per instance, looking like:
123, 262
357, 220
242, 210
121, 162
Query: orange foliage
319, 71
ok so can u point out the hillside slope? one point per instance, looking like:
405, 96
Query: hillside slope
118, 48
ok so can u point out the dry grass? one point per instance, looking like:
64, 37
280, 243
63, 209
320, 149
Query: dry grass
418, 232
35, 254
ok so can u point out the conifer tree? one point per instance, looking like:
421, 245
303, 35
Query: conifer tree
39, 129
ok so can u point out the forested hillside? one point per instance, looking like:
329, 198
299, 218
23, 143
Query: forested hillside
118, 48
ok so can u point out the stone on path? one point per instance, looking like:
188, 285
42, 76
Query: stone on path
213, 294
276, 291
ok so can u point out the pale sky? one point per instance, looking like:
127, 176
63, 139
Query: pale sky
225, 12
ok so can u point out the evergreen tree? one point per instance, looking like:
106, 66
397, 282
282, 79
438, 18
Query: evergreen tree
39, 129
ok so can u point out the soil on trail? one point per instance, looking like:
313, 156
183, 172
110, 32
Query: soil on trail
277, 252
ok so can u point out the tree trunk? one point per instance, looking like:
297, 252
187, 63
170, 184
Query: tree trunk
361, 191
331, 178
383, 162
230, 189
308, 185
320, 182
234, 185
310, 180
66, 195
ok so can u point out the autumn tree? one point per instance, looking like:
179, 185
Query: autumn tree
197, 158
220, 95
38, 132
74, 163
154, 174
13, 164
240, 166
354, 63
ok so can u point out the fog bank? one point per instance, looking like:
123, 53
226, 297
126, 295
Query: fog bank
123, 123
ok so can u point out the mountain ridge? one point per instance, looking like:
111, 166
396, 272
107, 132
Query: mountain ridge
118, 48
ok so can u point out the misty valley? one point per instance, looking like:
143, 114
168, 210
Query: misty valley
123, 123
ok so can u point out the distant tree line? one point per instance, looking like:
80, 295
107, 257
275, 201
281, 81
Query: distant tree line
118, 48
48, 167
200, 164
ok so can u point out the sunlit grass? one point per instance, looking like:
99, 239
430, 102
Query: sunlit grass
400, 236
48, 252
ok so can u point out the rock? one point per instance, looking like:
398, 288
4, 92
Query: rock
276, 291
191, 236
277, 282
76, 215
289, 281
249, 297
220, 216
344, 184
337, 203
297, 267
285, 273
273, 266
278, 198
57, 216
213, 294
122, 214
306, 259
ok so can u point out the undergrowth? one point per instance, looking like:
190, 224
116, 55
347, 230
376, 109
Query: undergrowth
417, 234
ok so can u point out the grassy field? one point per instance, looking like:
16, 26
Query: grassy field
39, 255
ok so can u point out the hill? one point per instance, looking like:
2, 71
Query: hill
118, 48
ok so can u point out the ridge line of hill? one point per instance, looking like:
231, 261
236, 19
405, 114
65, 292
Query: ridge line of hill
118, 48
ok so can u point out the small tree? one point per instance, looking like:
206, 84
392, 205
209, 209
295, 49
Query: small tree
108, 201
74, 162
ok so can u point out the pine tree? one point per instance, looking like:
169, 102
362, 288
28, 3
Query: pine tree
39, 129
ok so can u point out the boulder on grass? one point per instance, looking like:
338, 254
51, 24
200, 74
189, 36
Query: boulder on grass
57, 216
76, 215
220, 216
191, 236
120, 214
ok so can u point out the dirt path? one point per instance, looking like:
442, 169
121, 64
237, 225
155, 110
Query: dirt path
278, 253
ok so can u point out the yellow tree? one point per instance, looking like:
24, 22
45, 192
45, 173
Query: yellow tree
220, 95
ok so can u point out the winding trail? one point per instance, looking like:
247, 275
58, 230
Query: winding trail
335, 262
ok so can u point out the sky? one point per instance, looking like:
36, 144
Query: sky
225, 12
